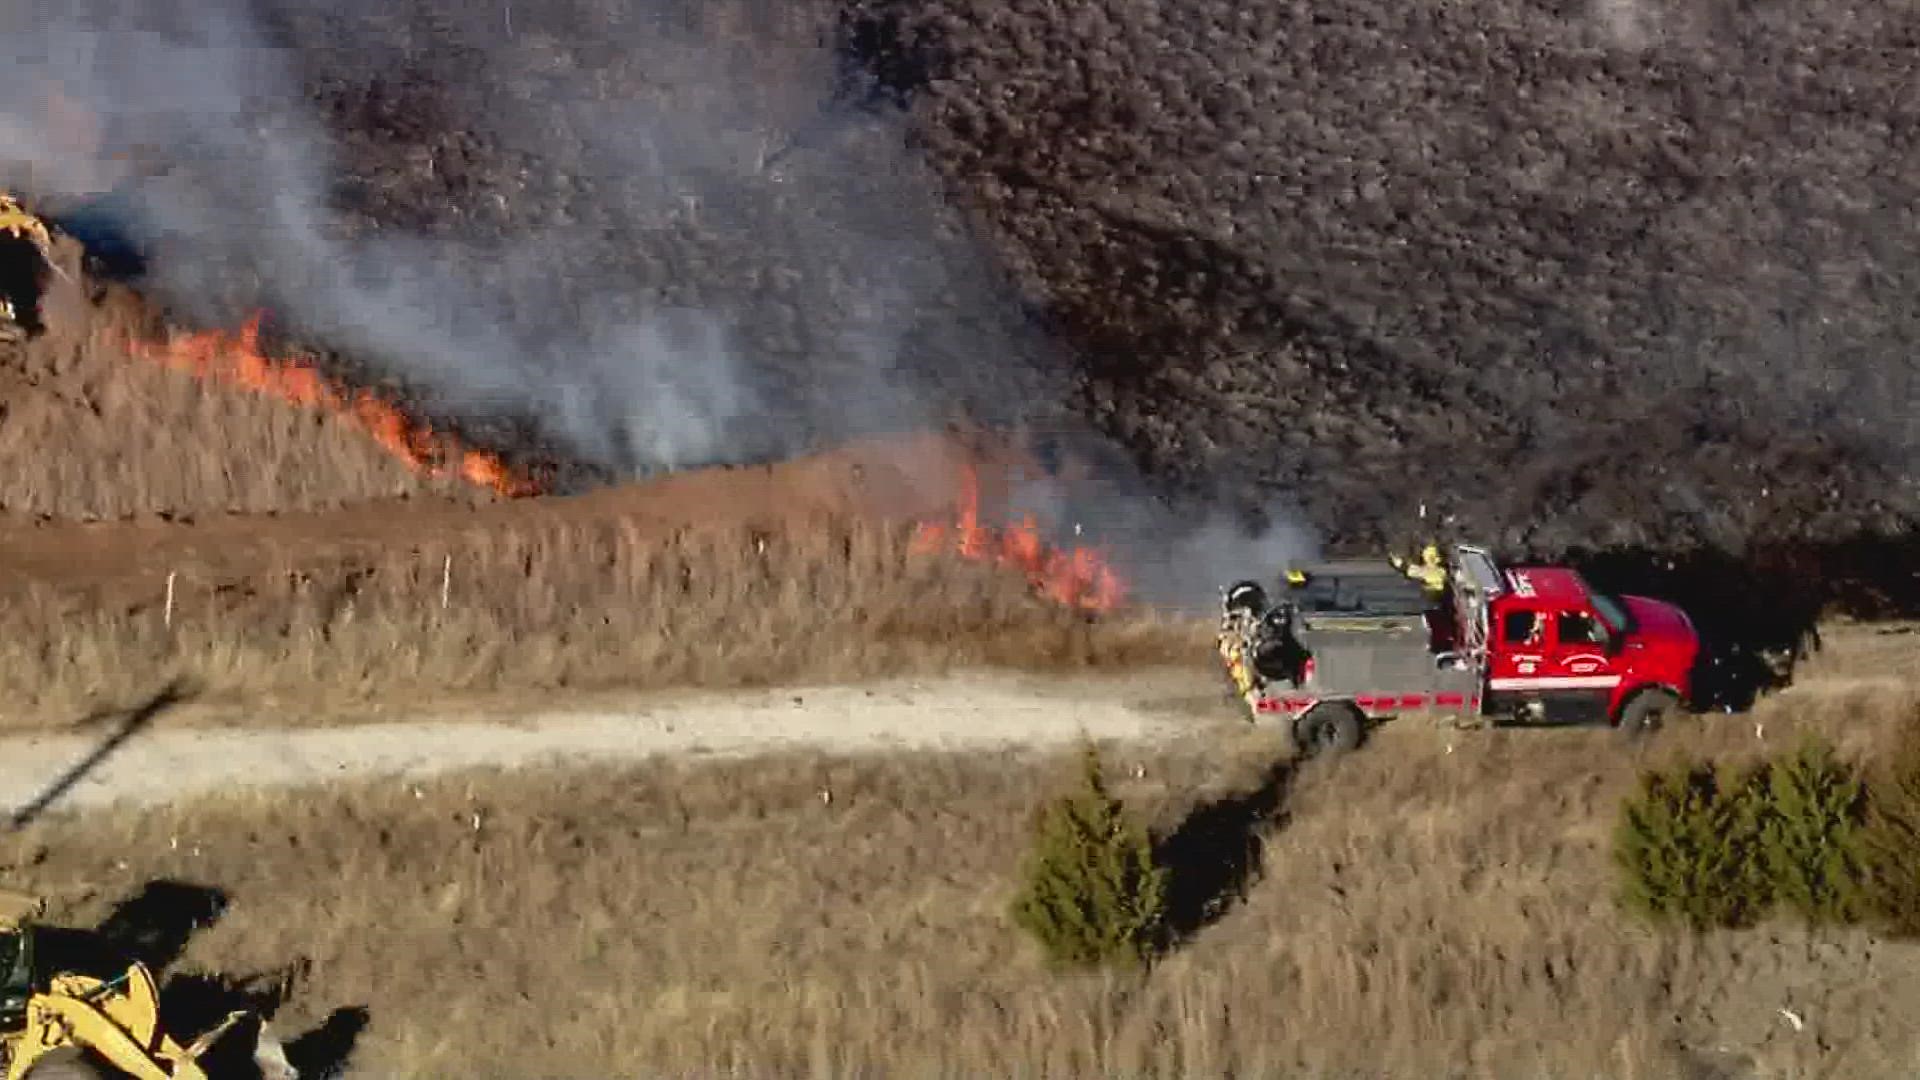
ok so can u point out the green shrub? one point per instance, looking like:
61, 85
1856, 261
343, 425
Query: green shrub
1810, 807
1092, 893
1886, 889
1688, 848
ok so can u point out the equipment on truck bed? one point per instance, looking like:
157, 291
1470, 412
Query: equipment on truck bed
76, 1027
1344, 643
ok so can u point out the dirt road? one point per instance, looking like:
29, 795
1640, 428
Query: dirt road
159, 763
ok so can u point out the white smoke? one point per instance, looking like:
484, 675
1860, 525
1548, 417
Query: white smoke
240, 211
1175, 555
219, 167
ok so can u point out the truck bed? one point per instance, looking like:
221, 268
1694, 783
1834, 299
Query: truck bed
1366, 626
1397, 662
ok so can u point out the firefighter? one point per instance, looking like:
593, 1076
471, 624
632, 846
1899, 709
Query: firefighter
1430, 571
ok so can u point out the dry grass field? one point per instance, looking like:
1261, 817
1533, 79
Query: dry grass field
562, 607
263, 552
1199, 254
93, 432
159, 529
1437, 906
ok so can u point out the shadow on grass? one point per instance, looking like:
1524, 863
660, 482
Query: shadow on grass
130, 724
153, 927
323, 1052
1215, 855
1758, 612
193, 1003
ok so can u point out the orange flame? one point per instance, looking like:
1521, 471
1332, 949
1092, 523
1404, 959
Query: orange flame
236, 359
1079, 577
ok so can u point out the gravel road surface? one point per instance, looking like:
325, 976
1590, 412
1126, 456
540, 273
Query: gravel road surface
161, 763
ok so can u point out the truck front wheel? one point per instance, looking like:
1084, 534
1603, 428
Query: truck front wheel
1647, 710
1328, 728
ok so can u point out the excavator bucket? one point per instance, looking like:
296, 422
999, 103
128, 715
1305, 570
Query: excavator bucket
118, 1022
16, 222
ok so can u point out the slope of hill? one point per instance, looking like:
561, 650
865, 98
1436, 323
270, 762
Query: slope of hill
1636, 270
1630, 272
1626, 272
92, 431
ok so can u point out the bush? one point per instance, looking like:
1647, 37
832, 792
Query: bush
1688, 847
1886, 889
1720, 848
1810, 807
1092, 893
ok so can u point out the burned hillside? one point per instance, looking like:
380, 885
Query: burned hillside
665, 246
1630, 272
1611, 273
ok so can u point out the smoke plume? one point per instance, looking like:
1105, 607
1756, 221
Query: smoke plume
197, 133
665, 239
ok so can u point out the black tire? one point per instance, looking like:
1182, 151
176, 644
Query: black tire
1329, 728
70, 1063
1647, 711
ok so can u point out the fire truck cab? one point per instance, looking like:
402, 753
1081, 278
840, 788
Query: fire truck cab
1567, 654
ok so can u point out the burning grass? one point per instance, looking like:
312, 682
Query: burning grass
1428, 908
92, 431
1077, 577
561, 607
238, 360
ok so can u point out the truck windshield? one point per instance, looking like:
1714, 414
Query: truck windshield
1610, 610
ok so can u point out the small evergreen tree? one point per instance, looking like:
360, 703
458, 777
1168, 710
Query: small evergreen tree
1092, 893
1687, 848
1811, 807
1886, 889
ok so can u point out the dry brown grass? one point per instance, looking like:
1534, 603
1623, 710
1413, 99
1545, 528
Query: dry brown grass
90, 432
1437, 906
308, 615
560, 607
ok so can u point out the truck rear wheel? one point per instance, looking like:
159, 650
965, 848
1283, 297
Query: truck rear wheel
1329, 728
1646, 711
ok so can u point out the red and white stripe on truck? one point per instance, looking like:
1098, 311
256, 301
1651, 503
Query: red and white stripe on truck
1555, 682
1371, 704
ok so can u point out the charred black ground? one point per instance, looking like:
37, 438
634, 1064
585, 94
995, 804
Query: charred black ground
1630, 274
1500, 257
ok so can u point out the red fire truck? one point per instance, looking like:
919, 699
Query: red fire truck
1352, 642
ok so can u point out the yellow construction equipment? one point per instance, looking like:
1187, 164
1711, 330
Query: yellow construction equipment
16, 222
22, 275
78, 1027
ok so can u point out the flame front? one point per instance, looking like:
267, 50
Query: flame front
1079, 577
236, 359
